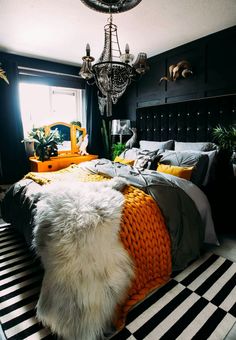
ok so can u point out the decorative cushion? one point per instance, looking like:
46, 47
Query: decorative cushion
198, 160
152, 145
211, 166
147, 159
210, 172
195, 146
130, 153
124, 161
183, 172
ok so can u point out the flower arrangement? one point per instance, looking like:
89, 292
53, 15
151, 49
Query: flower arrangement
45, 145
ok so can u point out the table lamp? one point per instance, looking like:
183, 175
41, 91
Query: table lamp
121, 127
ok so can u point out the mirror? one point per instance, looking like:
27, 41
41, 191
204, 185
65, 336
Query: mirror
70, 134
65, 134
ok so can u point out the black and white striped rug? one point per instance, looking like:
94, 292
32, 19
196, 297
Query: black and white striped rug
199, 303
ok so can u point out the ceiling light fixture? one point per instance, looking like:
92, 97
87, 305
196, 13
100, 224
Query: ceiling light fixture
113, 71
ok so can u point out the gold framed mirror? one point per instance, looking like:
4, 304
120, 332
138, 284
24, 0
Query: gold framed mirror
70, 134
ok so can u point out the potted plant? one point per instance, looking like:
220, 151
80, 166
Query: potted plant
225, 137
45, 145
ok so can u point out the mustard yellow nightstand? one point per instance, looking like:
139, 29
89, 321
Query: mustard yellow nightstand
59, 162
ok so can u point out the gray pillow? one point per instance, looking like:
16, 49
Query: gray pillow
147, 159
195, 146
130, 153
187, 158
152, 145
210, 173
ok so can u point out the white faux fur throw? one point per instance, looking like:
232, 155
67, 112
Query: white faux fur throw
87, 269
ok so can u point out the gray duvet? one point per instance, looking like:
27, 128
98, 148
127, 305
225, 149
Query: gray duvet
182, 218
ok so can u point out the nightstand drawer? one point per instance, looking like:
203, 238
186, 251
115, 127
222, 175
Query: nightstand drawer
57, 163
38, 166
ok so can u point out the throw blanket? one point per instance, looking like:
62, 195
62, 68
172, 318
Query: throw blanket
182, 218
97, 264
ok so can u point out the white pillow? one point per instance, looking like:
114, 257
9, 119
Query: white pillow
195, 146
153, 145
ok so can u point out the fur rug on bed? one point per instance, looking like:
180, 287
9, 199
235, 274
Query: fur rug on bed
87, 270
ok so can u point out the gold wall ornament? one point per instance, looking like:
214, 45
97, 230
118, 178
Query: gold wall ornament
182, 69
3, 75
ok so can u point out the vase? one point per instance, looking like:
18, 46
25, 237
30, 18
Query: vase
29, 148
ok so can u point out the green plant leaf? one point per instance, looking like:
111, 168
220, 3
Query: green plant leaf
117, 149
3, 75
45, 145
225, 137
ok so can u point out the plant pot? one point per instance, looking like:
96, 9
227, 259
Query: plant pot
42, 153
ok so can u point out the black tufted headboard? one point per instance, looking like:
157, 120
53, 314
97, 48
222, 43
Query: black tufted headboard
190, 121
193, 121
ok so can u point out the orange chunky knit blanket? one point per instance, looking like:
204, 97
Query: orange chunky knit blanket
144, 235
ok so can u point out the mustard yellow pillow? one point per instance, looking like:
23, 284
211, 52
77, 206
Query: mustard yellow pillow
179, 171
124, 161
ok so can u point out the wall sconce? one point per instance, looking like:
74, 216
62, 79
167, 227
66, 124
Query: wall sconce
182, 69
121, 127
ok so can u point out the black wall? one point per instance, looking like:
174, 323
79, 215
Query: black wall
13, 161
213, 60
42, 71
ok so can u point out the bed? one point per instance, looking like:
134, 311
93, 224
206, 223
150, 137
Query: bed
182, 221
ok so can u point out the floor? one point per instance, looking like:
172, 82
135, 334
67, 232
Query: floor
226, 249
2, 337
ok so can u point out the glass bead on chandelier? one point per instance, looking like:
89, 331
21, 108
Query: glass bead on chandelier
113, 72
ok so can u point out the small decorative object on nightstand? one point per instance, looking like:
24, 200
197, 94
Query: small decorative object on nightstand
82, 144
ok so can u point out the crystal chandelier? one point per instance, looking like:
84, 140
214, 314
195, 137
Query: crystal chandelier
113, 71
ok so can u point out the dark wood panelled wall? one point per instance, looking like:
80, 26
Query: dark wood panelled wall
214, 74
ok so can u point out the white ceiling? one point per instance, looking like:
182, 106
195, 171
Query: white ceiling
58, 30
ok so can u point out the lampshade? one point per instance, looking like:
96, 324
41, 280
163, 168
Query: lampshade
120, 127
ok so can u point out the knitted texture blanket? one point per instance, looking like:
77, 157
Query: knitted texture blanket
143, 234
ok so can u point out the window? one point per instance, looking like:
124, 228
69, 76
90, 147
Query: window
43, 105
